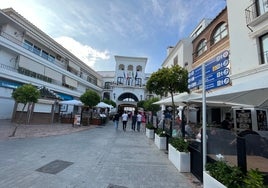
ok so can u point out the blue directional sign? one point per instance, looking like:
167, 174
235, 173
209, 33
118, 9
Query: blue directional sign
218, 83
216, 69
217, 74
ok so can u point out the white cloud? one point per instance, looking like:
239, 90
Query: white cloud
85, 53
157, 8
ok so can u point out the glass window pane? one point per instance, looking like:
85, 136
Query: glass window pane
262, 6
264, 44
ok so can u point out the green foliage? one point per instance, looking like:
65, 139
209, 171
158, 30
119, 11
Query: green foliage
149, 106
140, 104
90, 98
232, 176
150, 126
26, 93
254, 179
180, 144
160, 132
107, 101
168, 80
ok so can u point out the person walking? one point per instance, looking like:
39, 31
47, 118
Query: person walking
124, 120
139, 117
116, 120
134, 120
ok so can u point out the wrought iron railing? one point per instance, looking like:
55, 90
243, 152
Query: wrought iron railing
256, 9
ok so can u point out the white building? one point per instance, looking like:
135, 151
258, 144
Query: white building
28, 55
126, 85
248, 33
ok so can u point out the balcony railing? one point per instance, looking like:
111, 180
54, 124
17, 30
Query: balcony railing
255, 10
37, 51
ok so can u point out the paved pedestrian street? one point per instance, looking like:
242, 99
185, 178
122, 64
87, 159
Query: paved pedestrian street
99, 157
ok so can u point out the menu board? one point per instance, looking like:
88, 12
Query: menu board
243, 119
262, 120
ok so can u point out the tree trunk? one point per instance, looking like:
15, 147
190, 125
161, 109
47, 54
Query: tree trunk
19, 122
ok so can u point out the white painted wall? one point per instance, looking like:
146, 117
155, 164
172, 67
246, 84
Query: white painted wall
244, 54
6, 103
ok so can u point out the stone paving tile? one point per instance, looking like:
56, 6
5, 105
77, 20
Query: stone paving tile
29, 131
120, 159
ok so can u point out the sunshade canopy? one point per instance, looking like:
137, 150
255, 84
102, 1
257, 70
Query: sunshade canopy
180, 99
103, 105
72, 102
252, 92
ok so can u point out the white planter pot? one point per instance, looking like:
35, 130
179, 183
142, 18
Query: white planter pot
209, 181
181, 160
160, 142
150, 133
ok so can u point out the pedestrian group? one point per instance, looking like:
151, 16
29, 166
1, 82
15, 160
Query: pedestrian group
136, 120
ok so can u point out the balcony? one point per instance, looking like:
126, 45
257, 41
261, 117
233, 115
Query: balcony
256, 13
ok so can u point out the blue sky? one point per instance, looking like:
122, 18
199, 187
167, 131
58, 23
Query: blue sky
97, 30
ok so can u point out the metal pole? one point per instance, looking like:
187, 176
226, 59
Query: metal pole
204, 123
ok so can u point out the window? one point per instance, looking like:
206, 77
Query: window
202, 47
92, 79
219, 33
121, 67
264, 48
44, 54
51, 58
139, 68
107, 85
262, 6
28, 45
36, 50
175, 61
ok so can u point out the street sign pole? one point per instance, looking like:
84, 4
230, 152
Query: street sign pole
204, 141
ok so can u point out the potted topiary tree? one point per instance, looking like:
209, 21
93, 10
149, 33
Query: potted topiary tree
160, 139
179, 154
150, 130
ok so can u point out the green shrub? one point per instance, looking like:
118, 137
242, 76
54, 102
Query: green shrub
180, 144
254, 179
150, 126
160, 132
232, 176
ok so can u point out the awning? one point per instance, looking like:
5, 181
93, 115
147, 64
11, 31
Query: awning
31, 65
70, 82
72, 102
53, 74
252, 92
179, 99
65, 96
74, 66
103, 105
184, 99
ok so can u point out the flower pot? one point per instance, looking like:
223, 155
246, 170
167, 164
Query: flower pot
150, 133
160, 142
181, 160
209, 181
